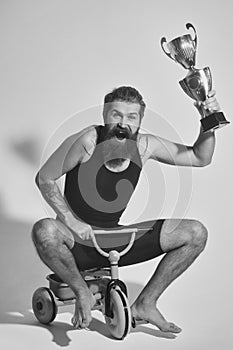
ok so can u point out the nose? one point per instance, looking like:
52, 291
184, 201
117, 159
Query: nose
122, 123
123, 127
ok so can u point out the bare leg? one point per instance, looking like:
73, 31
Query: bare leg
182, 242
53, 242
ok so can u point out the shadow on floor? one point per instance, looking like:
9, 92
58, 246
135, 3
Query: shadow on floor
23, 273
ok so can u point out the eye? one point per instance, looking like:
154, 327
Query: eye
115, 115
132, 117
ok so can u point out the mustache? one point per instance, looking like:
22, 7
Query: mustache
118, 131
112, 148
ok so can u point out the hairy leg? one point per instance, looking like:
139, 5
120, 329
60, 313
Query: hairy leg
54, 241
182, 241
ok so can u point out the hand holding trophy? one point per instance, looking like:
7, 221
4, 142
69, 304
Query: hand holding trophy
198, 82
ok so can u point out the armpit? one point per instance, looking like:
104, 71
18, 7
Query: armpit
143, 146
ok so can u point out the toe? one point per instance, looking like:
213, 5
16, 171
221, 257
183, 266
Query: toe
173, 328
74, 321
85, 323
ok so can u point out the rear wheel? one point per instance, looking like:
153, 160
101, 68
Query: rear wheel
120, 321
44, 305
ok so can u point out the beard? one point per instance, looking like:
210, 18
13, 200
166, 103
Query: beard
118, 144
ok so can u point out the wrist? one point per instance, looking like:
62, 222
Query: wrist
207, 132
65, 217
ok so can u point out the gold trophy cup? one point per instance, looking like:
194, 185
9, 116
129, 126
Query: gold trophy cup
198, 82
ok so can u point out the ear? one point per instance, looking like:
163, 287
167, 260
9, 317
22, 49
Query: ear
105, 111
104, 117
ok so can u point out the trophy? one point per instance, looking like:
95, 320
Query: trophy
198, 82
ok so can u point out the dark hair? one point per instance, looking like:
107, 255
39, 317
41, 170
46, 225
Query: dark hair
126, 94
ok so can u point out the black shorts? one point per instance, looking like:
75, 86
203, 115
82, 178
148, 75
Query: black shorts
146, 246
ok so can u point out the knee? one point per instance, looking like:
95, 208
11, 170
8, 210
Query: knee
198, 235
44, 233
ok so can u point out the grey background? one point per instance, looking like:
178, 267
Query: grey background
58, 60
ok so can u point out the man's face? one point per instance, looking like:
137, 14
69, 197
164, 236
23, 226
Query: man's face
122, 122
123, 113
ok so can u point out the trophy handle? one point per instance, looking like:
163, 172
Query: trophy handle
163, 40
189, 25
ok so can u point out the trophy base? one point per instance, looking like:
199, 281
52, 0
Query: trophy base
213, 121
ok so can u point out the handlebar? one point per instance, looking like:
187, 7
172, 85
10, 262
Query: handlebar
124, 230
133, 232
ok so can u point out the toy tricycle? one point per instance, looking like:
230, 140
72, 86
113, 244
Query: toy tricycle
112, 298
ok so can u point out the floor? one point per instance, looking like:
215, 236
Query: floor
200, 302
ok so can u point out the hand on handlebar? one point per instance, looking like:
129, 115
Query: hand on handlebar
79, 228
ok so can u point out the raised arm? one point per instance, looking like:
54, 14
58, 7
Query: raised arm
198, 155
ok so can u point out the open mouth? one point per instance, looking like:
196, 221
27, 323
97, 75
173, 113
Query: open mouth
121, 135
120, 138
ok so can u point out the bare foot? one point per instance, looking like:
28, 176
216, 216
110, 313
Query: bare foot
151, 314
82, 314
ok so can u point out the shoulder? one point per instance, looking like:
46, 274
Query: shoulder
78, 146
147, 145
83, 141
81, 136
87, 135
68, 154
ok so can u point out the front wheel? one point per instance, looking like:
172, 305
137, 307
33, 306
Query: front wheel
120, 321
44, 305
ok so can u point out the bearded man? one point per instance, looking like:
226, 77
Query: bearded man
102, 165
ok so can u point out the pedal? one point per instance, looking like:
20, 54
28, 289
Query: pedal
136, 323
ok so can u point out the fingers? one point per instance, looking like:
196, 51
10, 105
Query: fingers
82, 314
98, 296
83, 230
79, 322
212, 93
87, 233
75, 321
210, 103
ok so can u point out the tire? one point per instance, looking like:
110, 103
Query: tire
120, 322
44, 305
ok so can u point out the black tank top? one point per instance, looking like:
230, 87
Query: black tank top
97, 195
